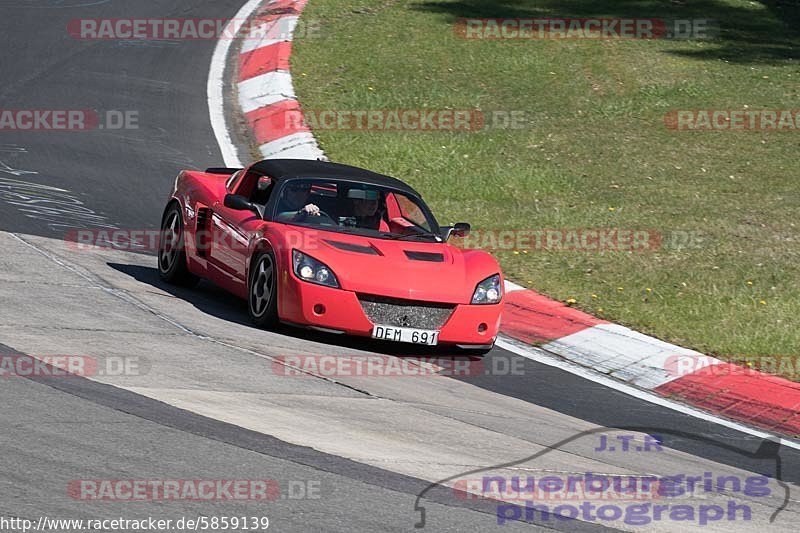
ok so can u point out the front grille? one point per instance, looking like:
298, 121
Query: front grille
405, 313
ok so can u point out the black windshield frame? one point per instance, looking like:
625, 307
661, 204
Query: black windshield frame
271, 213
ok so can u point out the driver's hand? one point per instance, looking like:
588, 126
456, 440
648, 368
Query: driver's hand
310, 209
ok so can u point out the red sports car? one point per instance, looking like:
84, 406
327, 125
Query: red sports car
330, 247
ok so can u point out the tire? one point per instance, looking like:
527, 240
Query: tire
172, 266
262, 291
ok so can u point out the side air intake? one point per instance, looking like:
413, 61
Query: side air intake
425, 256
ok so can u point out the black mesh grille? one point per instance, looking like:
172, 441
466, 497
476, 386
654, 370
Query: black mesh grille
405, 313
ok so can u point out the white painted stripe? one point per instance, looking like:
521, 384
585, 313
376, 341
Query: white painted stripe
267, 33
265, 89
541, 356
215, 88
625, 354
295, 146
511, 287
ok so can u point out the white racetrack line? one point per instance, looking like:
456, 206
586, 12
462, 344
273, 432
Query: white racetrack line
216, 84
541, 356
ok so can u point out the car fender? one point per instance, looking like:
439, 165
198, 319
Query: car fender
480, 265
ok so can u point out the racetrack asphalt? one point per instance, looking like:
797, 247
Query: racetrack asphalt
210, 405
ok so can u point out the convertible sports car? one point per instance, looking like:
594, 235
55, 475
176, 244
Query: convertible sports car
331, 247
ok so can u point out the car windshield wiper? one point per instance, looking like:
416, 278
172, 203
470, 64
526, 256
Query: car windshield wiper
410, 235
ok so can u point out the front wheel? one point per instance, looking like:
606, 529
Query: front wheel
263, 291
172, 266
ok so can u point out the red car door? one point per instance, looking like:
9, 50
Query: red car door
228, 253
230, 232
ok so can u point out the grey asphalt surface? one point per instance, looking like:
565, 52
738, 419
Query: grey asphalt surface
57, 431
202, 370
122, 175
76, 429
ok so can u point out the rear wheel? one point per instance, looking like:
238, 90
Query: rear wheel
172, 266
263, 291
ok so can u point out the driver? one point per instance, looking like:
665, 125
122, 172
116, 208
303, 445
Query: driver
295, 198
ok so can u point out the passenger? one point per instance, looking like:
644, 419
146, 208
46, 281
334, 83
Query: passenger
367, 210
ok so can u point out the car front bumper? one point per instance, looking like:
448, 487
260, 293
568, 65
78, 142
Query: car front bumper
341, 311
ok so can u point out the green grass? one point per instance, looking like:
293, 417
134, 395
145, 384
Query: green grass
596, 140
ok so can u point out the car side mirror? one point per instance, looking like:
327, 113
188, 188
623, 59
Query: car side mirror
461, 229
238, 202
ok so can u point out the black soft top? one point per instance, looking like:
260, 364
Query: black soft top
307, 168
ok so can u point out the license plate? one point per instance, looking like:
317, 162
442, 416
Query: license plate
411, 335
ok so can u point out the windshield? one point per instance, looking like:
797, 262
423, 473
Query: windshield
351, 207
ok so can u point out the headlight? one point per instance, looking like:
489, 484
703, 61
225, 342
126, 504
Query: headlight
309, 269
488, 291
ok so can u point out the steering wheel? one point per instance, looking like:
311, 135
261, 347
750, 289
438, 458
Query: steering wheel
318, 218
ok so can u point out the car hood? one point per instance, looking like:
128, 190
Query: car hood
423, 271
